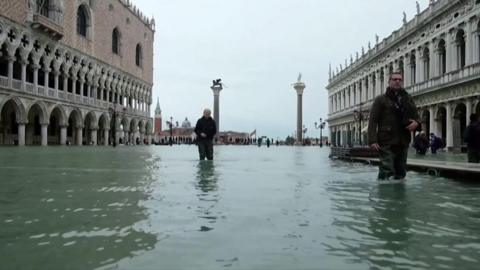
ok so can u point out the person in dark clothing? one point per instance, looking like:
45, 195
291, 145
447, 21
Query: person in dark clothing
435, 143
393, 117
205, 130
472, 137
421, 143
268, 142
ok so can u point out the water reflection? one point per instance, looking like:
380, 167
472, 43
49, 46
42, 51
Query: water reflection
73, 217
207, 185
389, 225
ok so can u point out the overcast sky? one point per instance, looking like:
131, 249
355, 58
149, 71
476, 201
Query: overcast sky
258, 47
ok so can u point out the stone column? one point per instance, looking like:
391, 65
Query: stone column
46, 79
407, 70
35, 78
468, 44
79, 131
21, 134
418, 66
105, 137
65, 83
299, 88
451, 52
378, 84
74, 85
125, 136
386, 78
475, 47
55, 82
82, 81
10, 71
93, 134
370, 91
44, 134
24, 73
432, 110
449, 127
216, 105
63, 135
468, 105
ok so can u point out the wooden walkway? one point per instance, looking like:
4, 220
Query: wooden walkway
433, 167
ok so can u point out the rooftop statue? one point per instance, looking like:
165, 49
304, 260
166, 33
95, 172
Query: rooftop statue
299, 79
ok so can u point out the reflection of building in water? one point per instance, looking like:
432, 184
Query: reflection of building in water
438, 51
75, 71
207, 186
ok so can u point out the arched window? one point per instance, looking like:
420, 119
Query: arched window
82, 21
426, 63
138, 55
116, 41
442, 57
460, 46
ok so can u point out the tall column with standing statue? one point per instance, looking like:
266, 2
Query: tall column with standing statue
299, 86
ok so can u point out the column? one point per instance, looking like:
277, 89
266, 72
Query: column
468, 105
89, 89
475, 47
432, 110
65, 83
24, 73
74, 85
407, 71
386, 78
55, 82
35, 78
149, 139
468, 44
63, 135
370, 87
378, 84
44, 134
451, 53
449, 116
125, 136
93, 134
21, 134
117, 137
81, 86
10, 71
46, 79
79, 136
105, 137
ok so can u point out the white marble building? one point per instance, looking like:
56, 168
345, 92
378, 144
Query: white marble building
438, 52
54, 86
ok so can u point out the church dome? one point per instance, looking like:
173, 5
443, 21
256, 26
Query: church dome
186, 123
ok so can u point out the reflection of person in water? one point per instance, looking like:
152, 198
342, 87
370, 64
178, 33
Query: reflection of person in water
207, 195
390, 224
207, 178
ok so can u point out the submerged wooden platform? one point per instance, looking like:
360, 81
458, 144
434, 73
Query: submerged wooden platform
434, 167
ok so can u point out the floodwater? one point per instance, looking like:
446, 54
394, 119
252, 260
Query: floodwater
252, 208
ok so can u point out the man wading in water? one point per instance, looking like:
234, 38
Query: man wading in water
393, 117
205, 130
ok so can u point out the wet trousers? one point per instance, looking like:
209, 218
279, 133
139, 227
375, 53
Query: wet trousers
205, 149
393, 162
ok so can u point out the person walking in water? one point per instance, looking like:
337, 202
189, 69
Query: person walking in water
393, 117
205, 130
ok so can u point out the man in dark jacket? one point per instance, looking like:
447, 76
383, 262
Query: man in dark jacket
472, 137
393, 117
205, 130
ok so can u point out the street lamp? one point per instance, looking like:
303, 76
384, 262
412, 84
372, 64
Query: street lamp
321, 126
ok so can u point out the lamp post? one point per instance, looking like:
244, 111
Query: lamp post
320, 125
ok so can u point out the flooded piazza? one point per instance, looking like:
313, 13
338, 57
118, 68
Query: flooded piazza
251, 208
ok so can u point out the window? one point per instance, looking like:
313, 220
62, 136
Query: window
138, 55
116, 41
42, 7
82, 21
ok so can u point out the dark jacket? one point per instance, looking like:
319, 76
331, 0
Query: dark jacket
207, 126
389, 117
472, 136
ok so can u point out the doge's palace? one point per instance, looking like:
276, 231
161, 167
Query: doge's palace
75, 72
438, 51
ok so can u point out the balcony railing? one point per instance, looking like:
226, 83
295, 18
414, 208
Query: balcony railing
65, 96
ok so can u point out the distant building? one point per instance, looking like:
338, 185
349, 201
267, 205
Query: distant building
75, 71
438, 52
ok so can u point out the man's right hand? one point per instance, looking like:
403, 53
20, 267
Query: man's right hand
375, 147
203, 135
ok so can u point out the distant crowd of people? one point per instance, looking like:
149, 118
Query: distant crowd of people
472, 137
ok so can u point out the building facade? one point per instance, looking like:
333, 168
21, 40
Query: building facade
438, 51
78, 72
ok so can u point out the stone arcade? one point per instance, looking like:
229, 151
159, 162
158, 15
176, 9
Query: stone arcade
438, 52
75, 72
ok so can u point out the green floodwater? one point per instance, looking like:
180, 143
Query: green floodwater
252, 208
